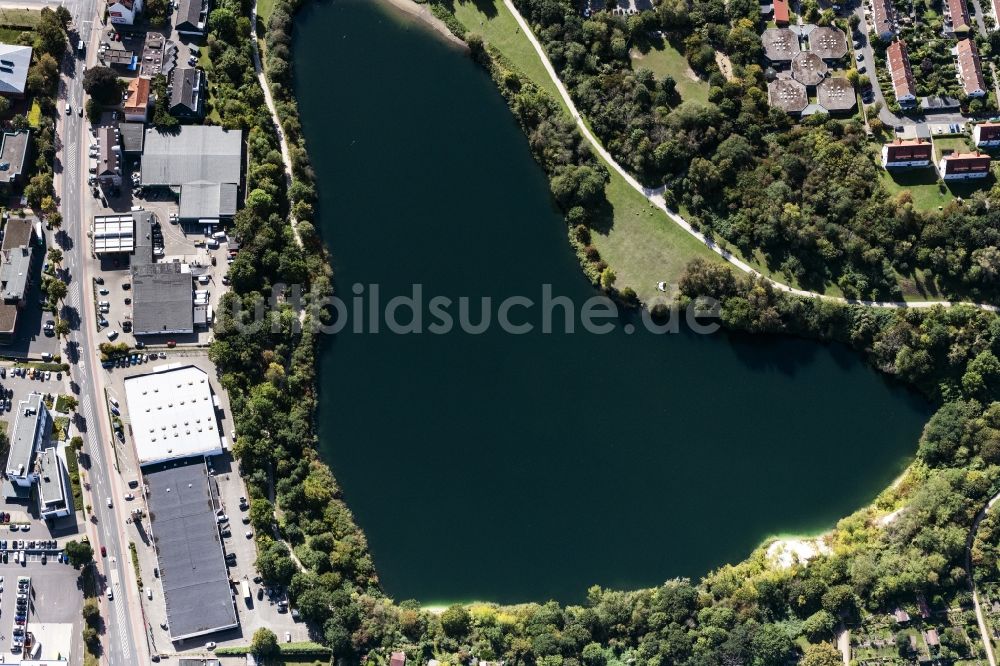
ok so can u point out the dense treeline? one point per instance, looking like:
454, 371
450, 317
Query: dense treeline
807, 197
751, 613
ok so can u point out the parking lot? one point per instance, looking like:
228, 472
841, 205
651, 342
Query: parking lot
54, 601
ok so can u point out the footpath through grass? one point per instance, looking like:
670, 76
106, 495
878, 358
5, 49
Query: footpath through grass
491, 20
640, 243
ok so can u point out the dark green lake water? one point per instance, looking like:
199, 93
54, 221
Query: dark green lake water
515, 468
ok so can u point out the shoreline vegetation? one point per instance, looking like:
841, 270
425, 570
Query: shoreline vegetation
751, 612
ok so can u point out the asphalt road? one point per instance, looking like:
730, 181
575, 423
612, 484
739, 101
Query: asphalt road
124, 643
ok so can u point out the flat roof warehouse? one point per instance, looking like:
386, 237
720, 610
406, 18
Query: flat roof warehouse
196, 587
173, 415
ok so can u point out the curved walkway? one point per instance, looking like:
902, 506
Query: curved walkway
655, 197
983, 628
286, 155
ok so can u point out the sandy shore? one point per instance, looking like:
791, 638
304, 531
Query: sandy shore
424, 14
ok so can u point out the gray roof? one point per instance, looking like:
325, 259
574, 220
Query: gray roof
162, 300
17, 232
828, 43
31, 415
143, 237
808, 68
780, 44
203, 200
193, 571
788, 95
132, 135
51, 481
15, 272
836, 94
191, 15
14, 63
109, 159
187, 85
13, 150
191, 154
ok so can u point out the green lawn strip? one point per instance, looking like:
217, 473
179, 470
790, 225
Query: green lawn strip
135, 563
205, 62
35, 113
62, 403
497, 26
663, 60
73, 467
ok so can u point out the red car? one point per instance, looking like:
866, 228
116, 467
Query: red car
104, 551
171, 344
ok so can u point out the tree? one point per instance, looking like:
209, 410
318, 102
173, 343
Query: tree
261, 514
264, 644
79, 553
71, 402
55, 255
91, 637
822, 654
102, 84
91, 612
76, 442
56, 289
456, 621
62, 328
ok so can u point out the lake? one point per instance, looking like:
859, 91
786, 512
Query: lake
510, 467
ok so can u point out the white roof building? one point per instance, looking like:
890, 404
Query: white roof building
14, 62
172, 412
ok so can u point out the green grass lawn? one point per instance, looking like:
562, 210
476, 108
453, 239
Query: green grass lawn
922, 185
497, 26
35, 114
264, 9
663, 59
73, 467
23, 18
956, 144
10, 35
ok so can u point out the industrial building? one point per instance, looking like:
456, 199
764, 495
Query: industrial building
172, 413
196, 589
202, 163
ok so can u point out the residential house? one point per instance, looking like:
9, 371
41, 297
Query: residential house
904, 154
970, 69
958, 22
17, 255
903, 85
32, 430
14, 148
964, 166
780, 45
397, 659
902, 617
123, 12
187, 93
191, 17
901, 154
882, 19
781, 13
108, 167
137, 102
986, 134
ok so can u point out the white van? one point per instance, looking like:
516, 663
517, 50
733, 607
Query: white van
203, 279
211, 243
219, 235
